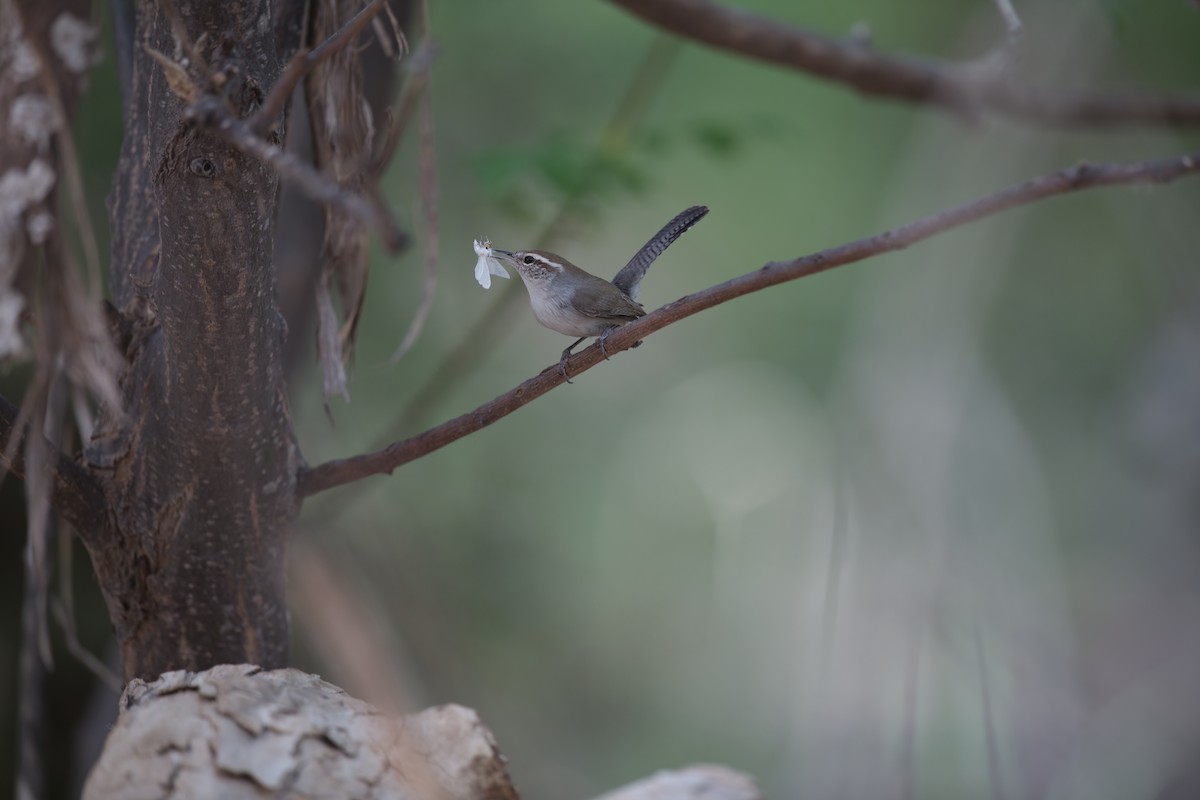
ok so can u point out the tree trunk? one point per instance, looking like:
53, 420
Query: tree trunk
200, 471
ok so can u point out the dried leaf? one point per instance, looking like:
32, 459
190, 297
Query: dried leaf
343, 132
329, 350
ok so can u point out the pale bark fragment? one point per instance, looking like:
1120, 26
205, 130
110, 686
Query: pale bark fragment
239, 733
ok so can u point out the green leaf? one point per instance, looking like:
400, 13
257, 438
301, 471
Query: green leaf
717, 138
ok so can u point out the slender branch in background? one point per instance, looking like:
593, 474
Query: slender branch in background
35, 657
31, 695
912, 694
49, 397
960, 88
1011, 20
66, 621
429, 206
304, 61
989, 717
417, 69
77, 495
212, 112
179, 29
1064, 181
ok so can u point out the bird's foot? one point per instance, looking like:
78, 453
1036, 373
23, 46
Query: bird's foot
562, 365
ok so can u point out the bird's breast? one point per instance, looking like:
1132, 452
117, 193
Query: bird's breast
557, 314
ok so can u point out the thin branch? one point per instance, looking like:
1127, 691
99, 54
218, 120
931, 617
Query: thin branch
94, 665
32, 667
179, 30
989, 718
428, 184
429, 207
961, 88
77, 494
417, 69
304, 61
209, 110
1011, 20
1064, 181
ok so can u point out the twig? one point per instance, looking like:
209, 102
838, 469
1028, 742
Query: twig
75, 647
397, 32
64, 613
989, 719
417, 68
31, 696
429, 196
303, 62
198, 65
912, 693
1011, 20
429, 206
209, 110
77, 494
1072, 179
953, 87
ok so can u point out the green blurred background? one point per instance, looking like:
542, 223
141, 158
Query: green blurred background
923, 526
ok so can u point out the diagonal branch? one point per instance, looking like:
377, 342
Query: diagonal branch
966, 89
209, 110
1072, 179
77, 495
304, 62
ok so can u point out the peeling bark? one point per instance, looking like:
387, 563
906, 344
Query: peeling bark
238, 733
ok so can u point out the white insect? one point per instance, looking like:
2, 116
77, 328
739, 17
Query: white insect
487, 265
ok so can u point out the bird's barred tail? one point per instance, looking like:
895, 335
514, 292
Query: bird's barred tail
630, 276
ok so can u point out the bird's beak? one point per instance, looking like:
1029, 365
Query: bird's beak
505, 254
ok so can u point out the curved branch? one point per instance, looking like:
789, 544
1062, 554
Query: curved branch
77, 496
963, 88
1073, 179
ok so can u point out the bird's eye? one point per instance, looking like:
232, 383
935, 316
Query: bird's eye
528, 259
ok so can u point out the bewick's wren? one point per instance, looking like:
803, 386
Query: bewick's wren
570, 300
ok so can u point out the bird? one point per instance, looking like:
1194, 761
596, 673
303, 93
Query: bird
574, 302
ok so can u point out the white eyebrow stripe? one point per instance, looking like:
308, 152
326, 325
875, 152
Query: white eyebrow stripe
545, 261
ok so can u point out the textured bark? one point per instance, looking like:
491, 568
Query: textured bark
238, 733
199, 472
